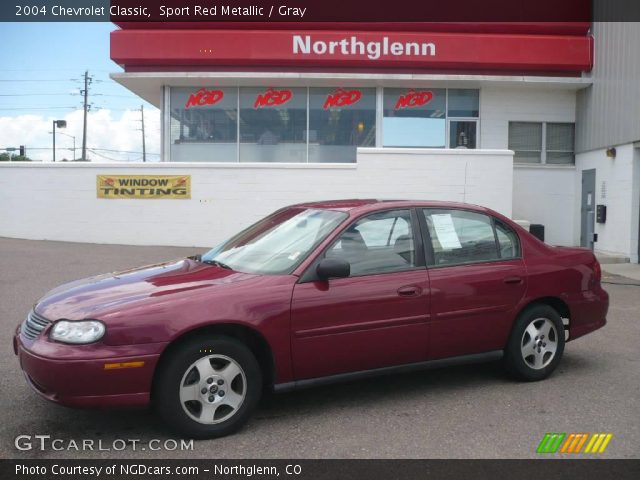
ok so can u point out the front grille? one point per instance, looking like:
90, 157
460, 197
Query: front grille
33, 325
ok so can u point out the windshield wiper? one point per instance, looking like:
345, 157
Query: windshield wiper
217, 263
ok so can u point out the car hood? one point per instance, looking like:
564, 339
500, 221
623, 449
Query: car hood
108, 293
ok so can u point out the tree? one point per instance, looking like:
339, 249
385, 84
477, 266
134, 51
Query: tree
6, 157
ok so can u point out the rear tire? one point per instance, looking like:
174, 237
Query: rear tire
208, 387
536, 343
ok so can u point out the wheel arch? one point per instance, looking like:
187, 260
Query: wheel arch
253, 339
557, 303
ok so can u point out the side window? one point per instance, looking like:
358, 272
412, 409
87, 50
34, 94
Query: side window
378, 243
459, 236
507, 241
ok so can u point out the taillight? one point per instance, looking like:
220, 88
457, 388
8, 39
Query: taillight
597, 271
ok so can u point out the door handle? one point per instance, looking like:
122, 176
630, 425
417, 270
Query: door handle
513, 280
410, 291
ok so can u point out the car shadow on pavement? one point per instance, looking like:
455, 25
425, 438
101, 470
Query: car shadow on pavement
143, 424
389, 389
392, 391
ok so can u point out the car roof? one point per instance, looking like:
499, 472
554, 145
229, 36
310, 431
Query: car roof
356, 206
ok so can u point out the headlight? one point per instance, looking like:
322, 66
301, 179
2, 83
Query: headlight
85, 331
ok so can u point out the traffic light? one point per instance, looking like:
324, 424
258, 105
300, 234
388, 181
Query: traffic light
22, 151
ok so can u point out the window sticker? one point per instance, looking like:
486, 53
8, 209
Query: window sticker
445, 231
272, 98
342, 98
413, 99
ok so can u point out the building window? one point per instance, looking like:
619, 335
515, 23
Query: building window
320, 125
463, 109
273, 125
340, 121
463, 133
542, 143
559, 143
414, 118
525, 139
419, 118
463, 103
203, 124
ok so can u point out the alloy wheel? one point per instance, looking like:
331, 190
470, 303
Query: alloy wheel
213, 389
539, 343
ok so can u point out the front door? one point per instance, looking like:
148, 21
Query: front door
588, 208
378, 316
477, 280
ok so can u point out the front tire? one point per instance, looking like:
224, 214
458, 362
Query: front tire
208, 387
536, 344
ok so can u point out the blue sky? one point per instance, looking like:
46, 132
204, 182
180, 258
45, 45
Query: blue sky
41, 68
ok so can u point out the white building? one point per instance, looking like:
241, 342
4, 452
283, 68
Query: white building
516, 117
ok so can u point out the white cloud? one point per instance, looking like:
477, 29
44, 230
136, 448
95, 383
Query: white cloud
108, 135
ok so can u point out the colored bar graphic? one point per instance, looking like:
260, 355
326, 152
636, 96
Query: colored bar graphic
550, 442
598, 443
573, 443
581, 442
606, 441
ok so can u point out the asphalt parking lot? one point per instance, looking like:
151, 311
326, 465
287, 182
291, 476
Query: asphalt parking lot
459, 412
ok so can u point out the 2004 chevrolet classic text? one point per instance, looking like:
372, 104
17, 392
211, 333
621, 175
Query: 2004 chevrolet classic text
313, 293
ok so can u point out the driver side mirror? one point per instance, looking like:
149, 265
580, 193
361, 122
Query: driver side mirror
333, 268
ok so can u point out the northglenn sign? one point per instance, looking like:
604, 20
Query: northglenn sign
353, 46
251, 50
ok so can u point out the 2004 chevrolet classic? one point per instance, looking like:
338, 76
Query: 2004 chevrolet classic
313, 293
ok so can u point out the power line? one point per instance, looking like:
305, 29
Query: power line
132, 97
21, 80
38, 108
92, 148
33, 94
123, 151
103, 156
40, 70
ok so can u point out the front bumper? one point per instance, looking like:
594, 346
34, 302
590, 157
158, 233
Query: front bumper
76, 376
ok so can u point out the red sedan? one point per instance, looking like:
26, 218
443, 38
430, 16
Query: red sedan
314, 293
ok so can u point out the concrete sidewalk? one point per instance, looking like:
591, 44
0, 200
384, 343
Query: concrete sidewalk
628, 270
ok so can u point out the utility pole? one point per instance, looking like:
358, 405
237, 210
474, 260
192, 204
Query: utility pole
144, 149
85, 93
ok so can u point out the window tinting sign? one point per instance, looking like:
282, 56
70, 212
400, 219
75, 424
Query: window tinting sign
143, 186
204, 97
342, 98
413, 99
272, 98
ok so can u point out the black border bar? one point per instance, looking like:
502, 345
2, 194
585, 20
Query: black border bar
547, 469
328, 11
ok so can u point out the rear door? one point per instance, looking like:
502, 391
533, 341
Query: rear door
378, 316
477, 279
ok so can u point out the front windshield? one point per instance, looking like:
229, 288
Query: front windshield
278, 243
